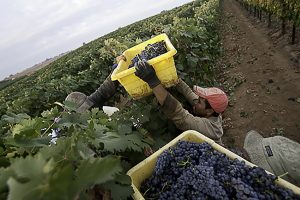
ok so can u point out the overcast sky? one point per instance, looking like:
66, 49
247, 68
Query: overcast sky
33, 30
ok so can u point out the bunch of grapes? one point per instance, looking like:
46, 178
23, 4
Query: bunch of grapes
196, 171
150, 51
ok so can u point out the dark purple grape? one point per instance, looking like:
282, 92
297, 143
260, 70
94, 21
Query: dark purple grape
150, 51
196, 171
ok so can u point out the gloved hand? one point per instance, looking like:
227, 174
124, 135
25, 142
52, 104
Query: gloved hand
146, 72
118, 59
121, 57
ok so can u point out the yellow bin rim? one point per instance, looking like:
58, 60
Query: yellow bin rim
171, 52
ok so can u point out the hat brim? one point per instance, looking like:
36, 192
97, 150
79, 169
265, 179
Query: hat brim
200, 91
253, 146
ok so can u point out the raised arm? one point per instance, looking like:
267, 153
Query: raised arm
172, 107
186, 91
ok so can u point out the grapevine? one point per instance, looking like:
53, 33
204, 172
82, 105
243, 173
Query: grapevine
81, 153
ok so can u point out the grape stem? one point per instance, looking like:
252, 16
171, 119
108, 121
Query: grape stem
146, 192
282, 175
166, 183
184, 163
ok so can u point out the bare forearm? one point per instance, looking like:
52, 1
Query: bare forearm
160, 93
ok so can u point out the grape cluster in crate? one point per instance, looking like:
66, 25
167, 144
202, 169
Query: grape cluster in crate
197, 171
150, 51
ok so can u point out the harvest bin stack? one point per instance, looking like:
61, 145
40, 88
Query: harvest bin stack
144, 169
163, 65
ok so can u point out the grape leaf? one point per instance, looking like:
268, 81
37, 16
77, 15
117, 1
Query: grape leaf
123, 179
179, 67
187, 34
28, 127
21, 191
84, 151
124, 128
51, 114
23, 141
61, 184
118, 191
13, 118
34, 172
100, 129
97, 170
122, 143
62, 150
32, 167
68, 120
192, 60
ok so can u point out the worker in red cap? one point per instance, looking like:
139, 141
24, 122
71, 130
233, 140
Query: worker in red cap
208, 104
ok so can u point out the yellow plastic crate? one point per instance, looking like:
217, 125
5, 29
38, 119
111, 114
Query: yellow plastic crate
163, 65
144, 169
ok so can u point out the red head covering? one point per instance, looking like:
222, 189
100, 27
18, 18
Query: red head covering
215, 97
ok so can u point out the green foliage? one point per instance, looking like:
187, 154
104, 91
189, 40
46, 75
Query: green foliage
13, 118
79, 160
283, 9
94, 151
8, 82
97, 170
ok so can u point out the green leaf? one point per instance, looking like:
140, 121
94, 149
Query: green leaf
125, 128
68, 120
28, 127
192, 61
179, 67
61, 151
97, 171
13, 118
51, 114
31, 167
187, 34
195, 45
122, 143
23, 141
61, 184
138, 41
20, 191
100, 129
34, 172
118, 191
123, 179
84, 151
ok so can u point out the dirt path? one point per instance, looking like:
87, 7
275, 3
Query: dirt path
263, 82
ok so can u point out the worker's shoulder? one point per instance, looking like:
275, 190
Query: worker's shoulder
214, 119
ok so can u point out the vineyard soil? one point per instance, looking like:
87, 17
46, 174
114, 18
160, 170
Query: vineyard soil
263, 81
